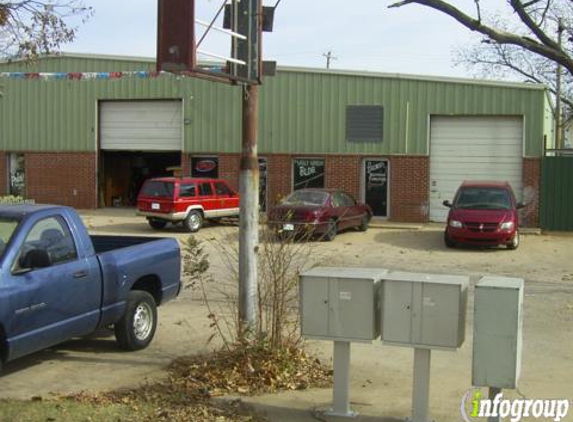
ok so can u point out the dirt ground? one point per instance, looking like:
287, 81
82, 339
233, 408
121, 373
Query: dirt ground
381, 376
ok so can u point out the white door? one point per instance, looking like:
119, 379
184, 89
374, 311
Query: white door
472, 148
141, 125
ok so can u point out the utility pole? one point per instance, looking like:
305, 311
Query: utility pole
329, 58
558, 124
249, 175
249, 213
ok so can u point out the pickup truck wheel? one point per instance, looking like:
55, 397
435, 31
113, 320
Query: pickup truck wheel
194, 221
514, 242
135, 330
157, 224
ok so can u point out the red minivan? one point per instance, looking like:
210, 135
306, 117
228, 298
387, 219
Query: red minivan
186, 200
483, 213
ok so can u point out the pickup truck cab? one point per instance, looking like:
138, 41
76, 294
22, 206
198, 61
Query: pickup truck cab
483, 213
58, 282
186, 200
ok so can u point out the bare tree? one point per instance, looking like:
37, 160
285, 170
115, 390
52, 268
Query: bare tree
538, 29
535, 37
32, 27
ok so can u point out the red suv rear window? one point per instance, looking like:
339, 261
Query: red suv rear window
158, 189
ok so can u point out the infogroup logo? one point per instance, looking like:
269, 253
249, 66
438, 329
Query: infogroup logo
474, 407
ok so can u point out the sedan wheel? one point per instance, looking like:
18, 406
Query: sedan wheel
331, 231
364, 224
449, 242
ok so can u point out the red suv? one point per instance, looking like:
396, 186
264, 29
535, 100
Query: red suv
483, 213
186, 200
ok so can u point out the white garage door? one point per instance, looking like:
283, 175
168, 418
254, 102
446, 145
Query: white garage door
141, 125
472, 148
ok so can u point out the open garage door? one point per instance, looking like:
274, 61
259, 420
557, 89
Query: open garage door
473, 148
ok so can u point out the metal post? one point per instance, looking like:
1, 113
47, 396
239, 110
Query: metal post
340, 394
249, 213
493, 391
421, 389
558, 93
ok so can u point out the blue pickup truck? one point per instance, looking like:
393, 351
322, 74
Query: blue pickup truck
58, 282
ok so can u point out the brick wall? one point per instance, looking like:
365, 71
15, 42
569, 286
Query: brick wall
409, 189
63, 178
531, 194
3, 173
229, 168
343, 172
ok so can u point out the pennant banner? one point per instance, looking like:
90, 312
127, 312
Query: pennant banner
79, 76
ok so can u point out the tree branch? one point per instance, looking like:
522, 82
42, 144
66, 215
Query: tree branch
502, 37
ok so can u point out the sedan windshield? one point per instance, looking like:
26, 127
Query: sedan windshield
7, 228
302, 197
483, 198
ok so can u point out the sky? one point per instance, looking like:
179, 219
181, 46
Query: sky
361, 34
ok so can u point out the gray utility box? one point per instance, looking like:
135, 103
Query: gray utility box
340, 303
424, 310
498, 322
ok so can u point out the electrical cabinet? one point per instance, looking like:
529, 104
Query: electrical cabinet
340, 303
423, 310
498, 321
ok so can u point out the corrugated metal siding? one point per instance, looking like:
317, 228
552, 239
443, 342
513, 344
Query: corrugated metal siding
556, 209
300, 111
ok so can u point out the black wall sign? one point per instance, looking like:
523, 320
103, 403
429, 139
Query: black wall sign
308, 173
205, 167
376, 186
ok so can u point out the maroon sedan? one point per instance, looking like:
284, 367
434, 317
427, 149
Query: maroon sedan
322, 212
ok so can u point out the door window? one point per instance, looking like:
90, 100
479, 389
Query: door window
52, 236
376, 186
222, 189
205, 189
187, 190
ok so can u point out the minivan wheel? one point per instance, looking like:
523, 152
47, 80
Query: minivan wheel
156, 224
514, 242
449, 242
194, 221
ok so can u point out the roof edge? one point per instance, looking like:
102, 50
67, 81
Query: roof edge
296, 69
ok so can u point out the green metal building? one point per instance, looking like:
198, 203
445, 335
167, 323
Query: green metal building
86, 130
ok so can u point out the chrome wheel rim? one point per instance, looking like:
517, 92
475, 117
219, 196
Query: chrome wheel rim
142, 321
194, 222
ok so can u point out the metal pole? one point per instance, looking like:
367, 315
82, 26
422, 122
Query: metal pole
340, 393
421, 389
558, 124
493, 391
249, 213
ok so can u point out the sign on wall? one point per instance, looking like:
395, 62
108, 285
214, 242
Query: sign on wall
206, 167
376, 186
308, 173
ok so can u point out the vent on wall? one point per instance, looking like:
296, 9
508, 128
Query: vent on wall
364, 123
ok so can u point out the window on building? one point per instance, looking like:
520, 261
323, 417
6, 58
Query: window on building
308, 173
16, 172
364, 123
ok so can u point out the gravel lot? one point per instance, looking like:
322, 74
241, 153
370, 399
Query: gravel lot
381, 375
